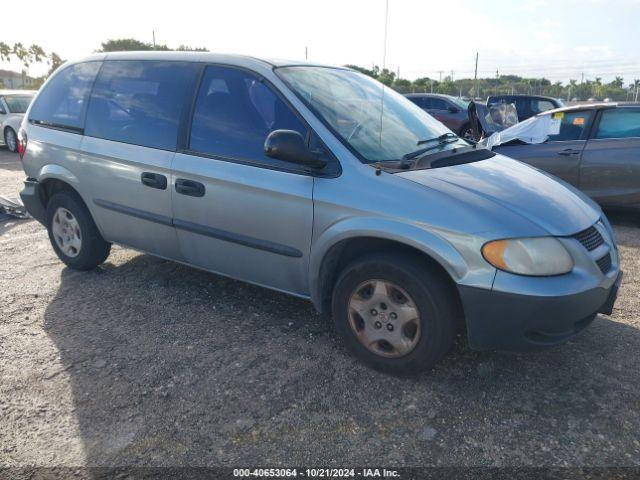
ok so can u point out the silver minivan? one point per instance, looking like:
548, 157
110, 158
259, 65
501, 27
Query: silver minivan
319, 182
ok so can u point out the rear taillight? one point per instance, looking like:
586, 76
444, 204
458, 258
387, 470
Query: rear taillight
22, 142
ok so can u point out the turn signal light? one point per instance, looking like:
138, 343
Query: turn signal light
22, 143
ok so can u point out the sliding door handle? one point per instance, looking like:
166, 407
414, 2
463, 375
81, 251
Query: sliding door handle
154, 180
189, 187
569, 151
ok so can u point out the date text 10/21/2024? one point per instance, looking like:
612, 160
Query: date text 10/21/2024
316, 472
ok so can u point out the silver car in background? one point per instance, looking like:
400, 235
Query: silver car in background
13, 105
322, 183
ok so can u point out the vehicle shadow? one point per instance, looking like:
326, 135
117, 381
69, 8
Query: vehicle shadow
8, 223
624, 218
172, 366
9, 161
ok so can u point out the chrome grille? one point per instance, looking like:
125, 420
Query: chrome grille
590, 238
604, 263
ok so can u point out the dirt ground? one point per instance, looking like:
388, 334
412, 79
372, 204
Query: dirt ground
147, 362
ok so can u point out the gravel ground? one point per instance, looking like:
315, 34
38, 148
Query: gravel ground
147, 362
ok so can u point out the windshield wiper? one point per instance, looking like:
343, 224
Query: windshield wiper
438, 139
442, 140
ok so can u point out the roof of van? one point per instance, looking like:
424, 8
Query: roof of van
200, 57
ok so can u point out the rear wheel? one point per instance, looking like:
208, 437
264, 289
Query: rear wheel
11, 139
73, 233
394, 312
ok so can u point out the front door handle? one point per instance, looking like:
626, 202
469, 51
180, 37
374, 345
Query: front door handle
189, 187
154, 180
569, 151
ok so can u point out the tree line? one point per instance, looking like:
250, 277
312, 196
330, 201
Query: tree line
35, 54
507, 84
465, 87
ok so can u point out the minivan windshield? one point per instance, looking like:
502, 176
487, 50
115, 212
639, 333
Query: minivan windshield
374, 121
18, 103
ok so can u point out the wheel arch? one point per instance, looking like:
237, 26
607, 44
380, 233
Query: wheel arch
53, 179
333, 251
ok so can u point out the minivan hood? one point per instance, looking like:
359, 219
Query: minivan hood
504, 187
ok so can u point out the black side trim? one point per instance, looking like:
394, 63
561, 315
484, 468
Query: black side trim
237, 238
57, 126
251, 242
134, 212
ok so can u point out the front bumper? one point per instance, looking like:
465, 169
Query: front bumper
509, 321
30, 196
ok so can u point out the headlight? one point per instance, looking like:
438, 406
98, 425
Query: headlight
540, 256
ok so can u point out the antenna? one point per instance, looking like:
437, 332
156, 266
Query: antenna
386, 23
384, 62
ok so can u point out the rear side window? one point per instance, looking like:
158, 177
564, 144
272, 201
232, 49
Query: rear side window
538, 106
619, 123
572, 126
18, 103
63, 102
140, 102
438, 104
419, 101
234, 113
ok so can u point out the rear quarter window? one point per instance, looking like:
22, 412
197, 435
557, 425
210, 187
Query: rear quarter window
63, 102
539, 106
619, 123
141, 102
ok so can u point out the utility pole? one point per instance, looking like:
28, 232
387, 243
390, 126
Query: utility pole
431, 85
451, 76
153, 33
581, 78
306, 53
475, 79
440, 72
398, 74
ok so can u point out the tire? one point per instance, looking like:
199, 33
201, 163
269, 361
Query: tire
11, 139
87, 249
423, 288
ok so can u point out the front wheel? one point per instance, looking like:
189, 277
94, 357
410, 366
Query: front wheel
73, 233
394, 312
11, 139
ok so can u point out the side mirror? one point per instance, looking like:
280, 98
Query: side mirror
453, 109
288, 145
2, 111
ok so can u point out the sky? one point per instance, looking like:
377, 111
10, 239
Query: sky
557, 39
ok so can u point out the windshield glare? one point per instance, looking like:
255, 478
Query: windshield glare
18, 103
375, 121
